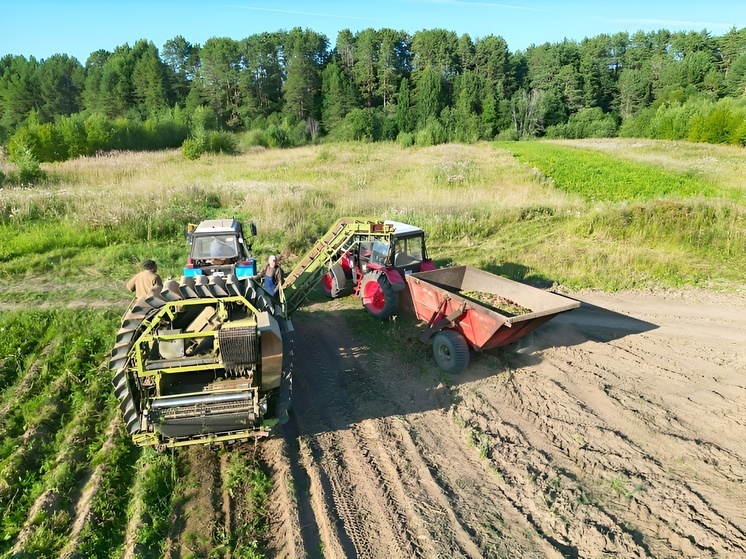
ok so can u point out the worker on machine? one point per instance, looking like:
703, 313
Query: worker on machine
144, 282
273, 276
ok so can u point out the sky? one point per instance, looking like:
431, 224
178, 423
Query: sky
42, 28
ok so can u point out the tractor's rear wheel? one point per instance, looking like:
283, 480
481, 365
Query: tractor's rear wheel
451, 352
378, 295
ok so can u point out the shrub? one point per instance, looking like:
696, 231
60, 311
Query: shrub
276, 137
432, 134
29, 171
358, 125
222, 142
405, 139
586, 123
73, 134
192, 148
99, 134
508, 135
203, 118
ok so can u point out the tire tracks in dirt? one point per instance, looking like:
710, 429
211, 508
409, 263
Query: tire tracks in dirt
380, 483
620, 436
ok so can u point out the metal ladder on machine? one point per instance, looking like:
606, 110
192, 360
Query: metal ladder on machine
327, 251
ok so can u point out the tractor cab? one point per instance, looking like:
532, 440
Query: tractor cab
218, 248
408, 251
404, 251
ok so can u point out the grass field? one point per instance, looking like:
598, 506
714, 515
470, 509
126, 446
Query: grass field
607, 215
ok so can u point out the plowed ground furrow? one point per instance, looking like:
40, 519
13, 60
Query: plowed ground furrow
356, 503
617, 471
458, 498
32, 446
17, 393
131, 547
68, 465
660, 469
546, 490
196, 517
82, 507
648, 414
285, 532
338, 488
331, 535
394, 504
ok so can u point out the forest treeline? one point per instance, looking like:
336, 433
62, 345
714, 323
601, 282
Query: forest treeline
292, 87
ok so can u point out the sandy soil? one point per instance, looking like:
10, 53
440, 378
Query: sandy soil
620, 435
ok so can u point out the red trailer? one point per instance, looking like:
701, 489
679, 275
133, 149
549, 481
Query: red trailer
465, 307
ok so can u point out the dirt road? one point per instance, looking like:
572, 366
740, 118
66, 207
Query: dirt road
622, 435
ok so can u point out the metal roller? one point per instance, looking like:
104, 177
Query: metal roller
200, 399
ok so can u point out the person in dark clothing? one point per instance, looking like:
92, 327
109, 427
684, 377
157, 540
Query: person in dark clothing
143, 283
273, 276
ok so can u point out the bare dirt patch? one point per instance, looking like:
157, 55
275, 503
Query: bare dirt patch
620, 435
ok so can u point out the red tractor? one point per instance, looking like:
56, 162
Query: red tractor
367, 258
373, 265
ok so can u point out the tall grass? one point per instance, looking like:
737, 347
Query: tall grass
99, 217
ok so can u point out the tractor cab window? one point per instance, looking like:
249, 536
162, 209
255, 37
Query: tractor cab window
408, 251
379, 253
214, 246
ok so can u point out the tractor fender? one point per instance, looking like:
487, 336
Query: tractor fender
395, 279
392, 274
427, 266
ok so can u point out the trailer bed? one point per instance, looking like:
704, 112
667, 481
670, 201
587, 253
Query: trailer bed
438, 300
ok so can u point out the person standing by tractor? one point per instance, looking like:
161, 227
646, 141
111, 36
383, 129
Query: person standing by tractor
143, 283
273, 275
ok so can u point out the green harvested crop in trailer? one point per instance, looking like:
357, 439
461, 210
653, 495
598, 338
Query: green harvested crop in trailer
496, 303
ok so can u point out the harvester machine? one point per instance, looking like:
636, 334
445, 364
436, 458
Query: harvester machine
205, 359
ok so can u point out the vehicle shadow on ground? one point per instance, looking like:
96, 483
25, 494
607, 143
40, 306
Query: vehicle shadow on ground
349, 367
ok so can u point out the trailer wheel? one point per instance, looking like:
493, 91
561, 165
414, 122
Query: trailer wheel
378, 295
451, 352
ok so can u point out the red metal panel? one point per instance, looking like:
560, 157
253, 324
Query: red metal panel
435, 296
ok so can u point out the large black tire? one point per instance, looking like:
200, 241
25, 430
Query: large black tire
378, 295
451, 352
328, 285
334, 281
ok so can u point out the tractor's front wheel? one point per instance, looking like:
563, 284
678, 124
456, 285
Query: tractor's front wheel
451, 352
329, 285
378, 295
334, 281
